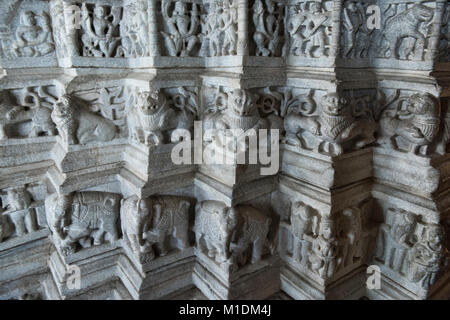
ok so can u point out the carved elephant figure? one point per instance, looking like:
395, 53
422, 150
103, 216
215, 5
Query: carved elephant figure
225, 234
81, 217
150, 221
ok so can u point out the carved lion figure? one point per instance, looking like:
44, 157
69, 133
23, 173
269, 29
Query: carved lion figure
418, 125
334, 127
405, 24
153, 118
77, 124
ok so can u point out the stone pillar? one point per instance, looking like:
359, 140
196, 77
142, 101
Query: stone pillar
242, 45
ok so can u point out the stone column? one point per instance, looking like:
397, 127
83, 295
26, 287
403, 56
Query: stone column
242, 45
153, 29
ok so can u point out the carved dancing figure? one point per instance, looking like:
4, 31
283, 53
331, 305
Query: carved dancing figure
182, 38
267, 26
316, 31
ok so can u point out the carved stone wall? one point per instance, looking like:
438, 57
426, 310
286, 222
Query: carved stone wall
91, 95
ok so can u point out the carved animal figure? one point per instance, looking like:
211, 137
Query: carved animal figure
153, 117
17, 202
76, 124
303, 221
225, 234
150, 221
418, 124
91, 215
8, 112
334, 127
405, 24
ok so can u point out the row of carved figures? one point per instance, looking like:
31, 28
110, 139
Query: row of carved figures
406, 122
233, 236
191, 29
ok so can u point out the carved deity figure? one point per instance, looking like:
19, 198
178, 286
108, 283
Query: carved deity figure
316, 31
324, 258
426, 257
303, 222
83, 218
295, 27
211, 44
99, 37
226, 234
17, 203
333, 127
133, 29
182, 28
146, 222
417, 124
33, 35
227, 24
405, 26
153, 119
267, 27
77, 124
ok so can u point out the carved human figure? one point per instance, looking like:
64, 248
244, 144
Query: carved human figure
83, 218
225, 234
350, 232
33, 35
227, 24
353, 21
324, 258
99, 39
153, 119
267, 27
405, 25
333, 127
77, 124
417, 124
182, 28
133, 29
303, 221
395, 238
295, 26
17, 203
150, 221
316, 31
426, 257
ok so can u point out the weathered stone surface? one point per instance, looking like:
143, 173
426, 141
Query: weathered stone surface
97, 98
